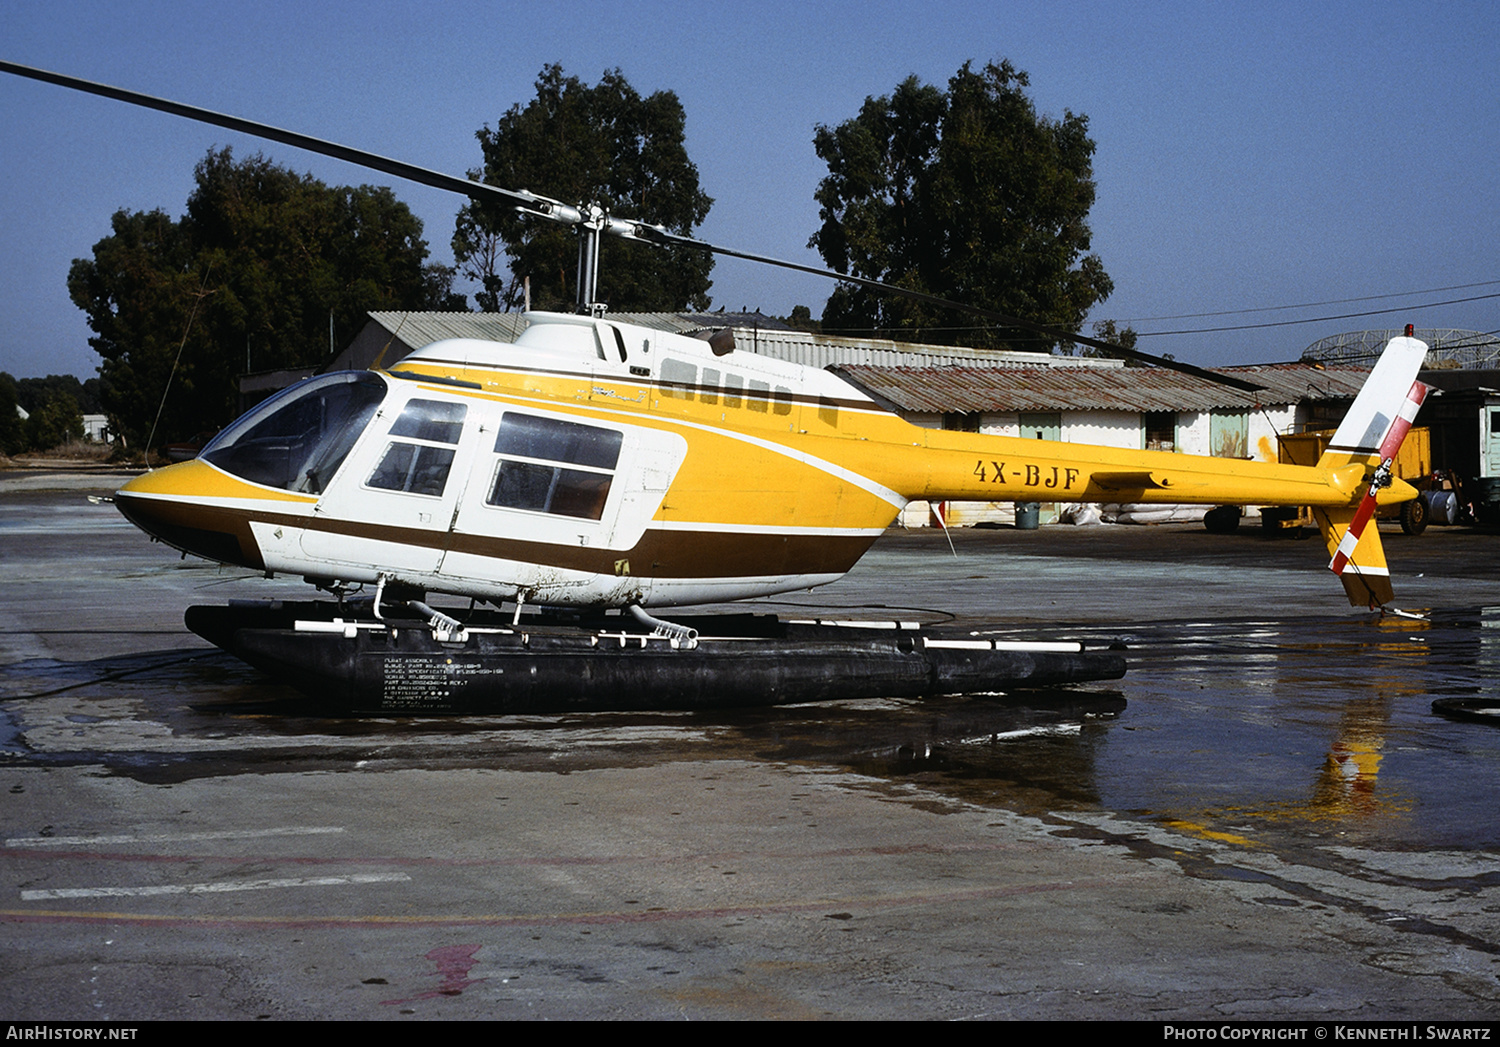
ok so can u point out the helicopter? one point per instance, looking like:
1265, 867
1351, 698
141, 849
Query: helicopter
596, 465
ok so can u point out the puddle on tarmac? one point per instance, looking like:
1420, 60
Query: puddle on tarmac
1313, 728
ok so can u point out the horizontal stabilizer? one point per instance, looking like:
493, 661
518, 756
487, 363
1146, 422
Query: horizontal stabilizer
1143, 481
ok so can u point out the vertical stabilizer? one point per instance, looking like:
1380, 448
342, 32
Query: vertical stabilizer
1366, 578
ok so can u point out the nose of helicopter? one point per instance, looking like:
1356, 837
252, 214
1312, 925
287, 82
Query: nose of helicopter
184, 505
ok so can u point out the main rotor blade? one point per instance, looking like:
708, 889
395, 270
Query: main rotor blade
656, 232
556, 210
374, 161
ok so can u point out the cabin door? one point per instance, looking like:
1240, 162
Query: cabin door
393, 501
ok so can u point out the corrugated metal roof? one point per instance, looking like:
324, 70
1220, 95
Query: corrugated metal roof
811, 349
973, 388
942, 378
419, 329
754, 332
1298, 381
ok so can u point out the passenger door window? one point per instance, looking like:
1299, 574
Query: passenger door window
550, 466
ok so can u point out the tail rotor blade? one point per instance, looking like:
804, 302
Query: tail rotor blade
1390, 446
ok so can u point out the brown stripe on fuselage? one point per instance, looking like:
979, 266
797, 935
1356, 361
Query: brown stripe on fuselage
209, 531
686, 554
224, 535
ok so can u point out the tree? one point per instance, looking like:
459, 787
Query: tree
32, 393
56, 405
967, 194
801, 319
56, 420
1105, 331
12, 428
263, 271
583, 144
52, 406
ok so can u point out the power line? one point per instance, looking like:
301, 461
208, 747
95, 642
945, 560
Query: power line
1316, 319
936, 328
1309, 305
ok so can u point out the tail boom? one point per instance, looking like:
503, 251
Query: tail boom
1343, 489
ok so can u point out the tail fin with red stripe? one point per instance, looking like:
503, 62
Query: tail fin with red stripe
1371, 435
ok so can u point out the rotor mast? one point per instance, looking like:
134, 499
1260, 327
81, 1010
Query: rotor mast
592, 220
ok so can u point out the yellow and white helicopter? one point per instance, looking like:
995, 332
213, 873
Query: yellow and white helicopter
592, 463
596, 464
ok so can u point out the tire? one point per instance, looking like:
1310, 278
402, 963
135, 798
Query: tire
1414, 516
1280, 522
1223, 519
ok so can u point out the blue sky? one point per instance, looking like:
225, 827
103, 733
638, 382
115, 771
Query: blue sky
1250, 156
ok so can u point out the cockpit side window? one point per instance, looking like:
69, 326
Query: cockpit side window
550, 466
297, 439
419, 463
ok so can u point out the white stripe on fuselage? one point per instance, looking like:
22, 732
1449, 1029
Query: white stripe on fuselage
774, 529
864, 483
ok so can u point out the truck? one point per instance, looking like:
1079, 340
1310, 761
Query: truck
1413, 464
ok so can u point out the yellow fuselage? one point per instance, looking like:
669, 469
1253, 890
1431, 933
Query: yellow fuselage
730, 476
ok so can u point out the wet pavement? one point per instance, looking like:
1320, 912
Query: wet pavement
1263, 819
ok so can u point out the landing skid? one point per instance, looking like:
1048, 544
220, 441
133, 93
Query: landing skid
561, 663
